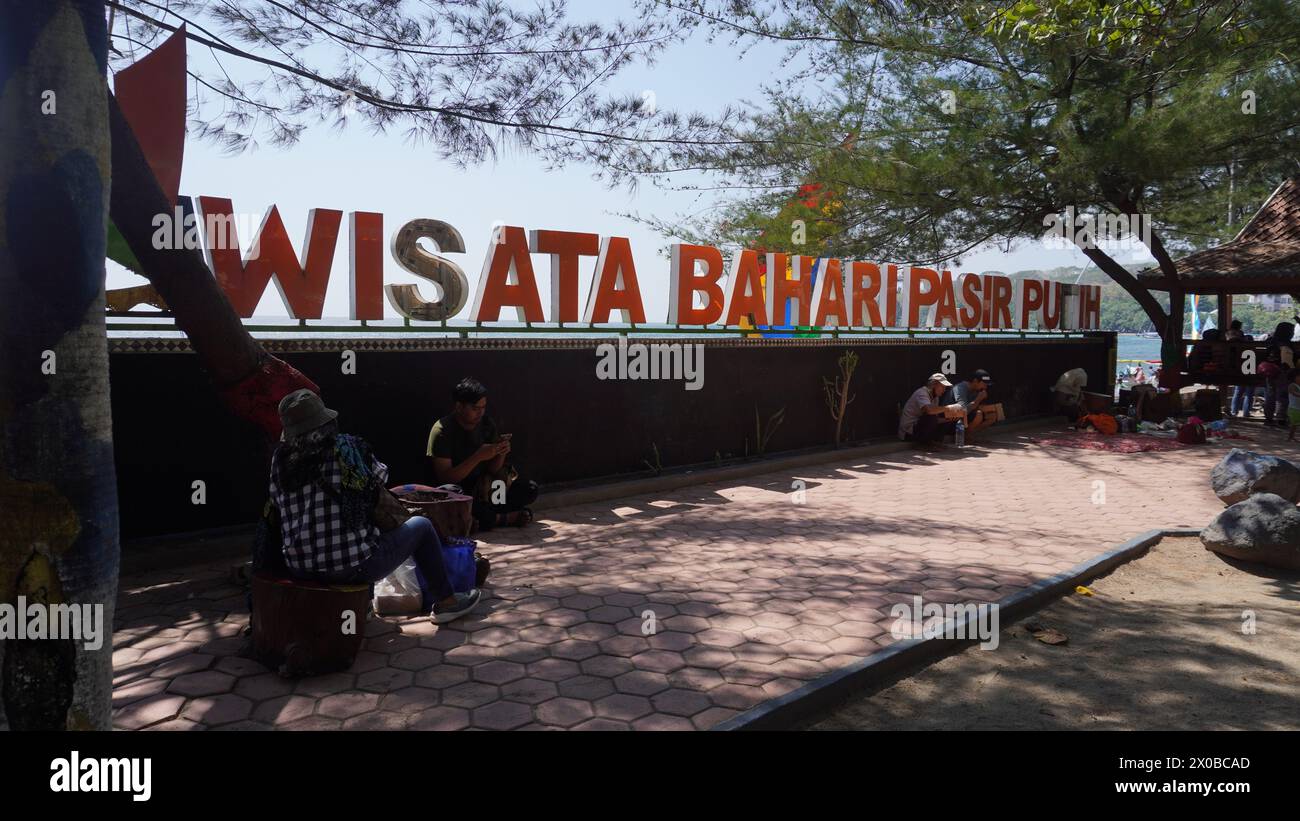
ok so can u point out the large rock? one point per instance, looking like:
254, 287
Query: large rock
1243, 473
1264, 528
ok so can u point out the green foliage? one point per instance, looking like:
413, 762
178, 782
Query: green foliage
1120, 312
948, 126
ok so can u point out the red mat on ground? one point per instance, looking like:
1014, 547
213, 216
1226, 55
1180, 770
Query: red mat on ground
1119, 443
1123, 442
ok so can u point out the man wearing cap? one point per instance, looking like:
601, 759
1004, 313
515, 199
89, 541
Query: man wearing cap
971, 394
326, 485
924, 418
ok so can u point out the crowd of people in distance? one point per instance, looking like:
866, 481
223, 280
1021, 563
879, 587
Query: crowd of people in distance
1277, 371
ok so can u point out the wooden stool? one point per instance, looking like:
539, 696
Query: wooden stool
299, 626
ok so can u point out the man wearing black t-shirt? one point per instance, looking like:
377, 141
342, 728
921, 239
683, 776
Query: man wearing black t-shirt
467, 450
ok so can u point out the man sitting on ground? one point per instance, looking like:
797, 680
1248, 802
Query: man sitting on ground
925, 419
467, 451
971, 395
326, 486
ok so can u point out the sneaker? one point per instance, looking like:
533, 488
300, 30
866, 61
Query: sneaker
464, 603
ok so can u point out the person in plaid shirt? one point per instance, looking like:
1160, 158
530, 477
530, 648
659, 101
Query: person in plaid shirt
325, 485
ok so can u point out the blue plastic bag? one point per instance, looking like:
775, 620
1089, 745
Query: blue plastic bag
458, 559
458, 556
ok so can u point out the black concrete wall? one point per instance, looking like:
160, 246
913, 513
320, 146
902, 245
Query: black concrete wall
169, 428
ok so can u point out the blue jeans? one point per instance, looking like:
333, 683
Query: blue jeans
1242, 400
415, 538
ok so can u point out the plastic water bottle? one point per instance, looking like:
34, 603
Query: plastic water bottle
960, 438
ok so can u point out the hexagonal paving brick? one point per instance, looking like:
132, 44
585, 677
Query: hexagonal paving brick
563, 617
623, 706
205, 683
384, 680
625, 646
284, 709
240, 667
748, 672
858, 629
321, 686
582, 601
179, 666
659, 661
470, 694
812, 632
641, 682
737, 696
696, 678
377, 720
148, 711
445, 638
313, 724
391, 643
712, 717
221, 709
442, 676
439, 718
573, 650
591, 631
544, 634
586, 687
608, 614
267, 685
501, 715
564, 712
708, 657
409, 700
416, 658
678, 702
719, 638
603, 725
606, 666
468, 655
136, 690
670, 640
347, 705
686, 624
497, 672
553, 669
181, 725
494, 636
367, 661
522, 652
663, 722
529, 690
538, 604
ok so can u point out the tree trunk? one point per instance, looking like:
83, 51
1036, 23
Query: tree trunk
58, 494
1130, 284
250, 380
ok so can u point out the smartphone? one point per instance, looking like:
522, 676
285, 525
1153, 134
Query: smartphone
505, 437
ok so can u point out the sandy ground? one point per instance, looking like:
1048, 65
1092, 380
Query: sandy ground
1160, 646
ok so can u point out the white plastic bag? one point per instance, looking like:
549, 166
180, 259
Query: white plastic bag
399, 593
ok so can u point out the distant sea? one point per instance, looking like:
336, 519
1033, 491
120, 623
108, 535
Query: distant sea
1136, 346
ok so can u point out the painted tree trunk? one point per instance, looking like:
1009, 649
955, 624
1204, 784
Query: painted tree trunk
58, 495
250, 381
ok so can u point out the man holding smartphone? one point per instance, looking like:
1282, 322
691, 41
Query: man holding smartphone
468, 452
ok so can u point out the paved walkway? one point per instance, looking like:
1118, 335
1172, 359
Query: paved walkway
676, 610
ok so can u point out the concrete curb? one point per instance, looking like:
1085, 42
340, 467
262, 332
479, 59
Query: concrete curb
906, 657
568, 497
